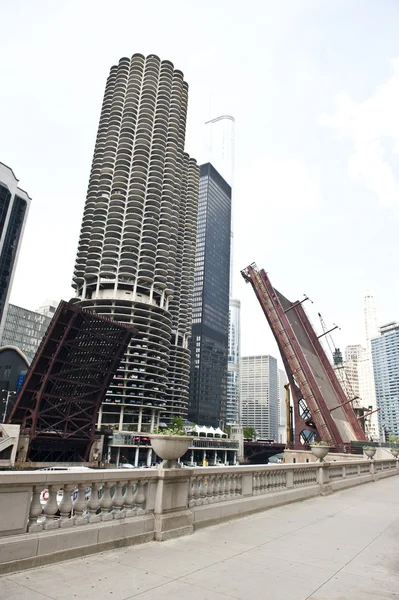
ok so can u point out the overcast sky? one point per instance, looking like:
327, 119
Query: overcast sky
314, 88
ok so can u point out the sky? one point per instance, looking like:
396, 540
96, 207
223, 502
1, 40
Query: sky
314, 89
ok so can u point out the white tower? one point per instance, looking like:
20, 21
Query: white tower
136, 252
366, 373
370, 320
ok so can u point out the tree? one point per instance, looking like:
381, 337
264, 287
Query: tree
249, 433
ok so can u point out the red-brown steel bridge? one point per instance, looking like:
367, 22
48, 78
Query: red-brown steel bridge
321, 409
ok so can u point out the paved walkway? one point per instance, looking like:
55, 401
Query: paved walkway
342, 547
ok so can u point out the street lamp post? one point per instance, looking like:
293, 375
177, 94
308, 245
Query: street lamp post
7, 401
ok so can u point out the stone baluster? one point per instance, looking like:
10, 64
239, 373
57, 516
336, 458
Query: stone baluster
51, 507
94, 503
263, 485
66, 506
139, 497
35, 509
223, 486
80, 504
197, 491
255, 484
128, 501
233, 485
209, 494
220, 489
238, 485
202, 491
106, 502
226, 486
216, 489
118, 501
192, 492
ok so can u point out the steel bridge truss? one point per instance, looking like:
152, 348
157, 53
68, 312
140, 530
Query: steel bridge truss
58, 404
321, 408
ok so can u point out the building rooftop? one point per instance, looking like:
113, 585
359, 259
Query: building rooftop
389, 327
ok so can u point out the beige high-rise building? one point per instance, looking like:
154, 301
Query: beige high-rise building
259, 384
135, 260
354, 376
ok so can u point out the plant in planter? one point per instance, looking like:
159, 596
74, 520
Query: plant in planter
369, 451
320, 449
171, 443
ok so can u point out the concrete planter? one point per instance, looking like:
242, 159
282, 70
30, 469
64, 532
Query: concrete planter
370, 452
320, 451
395, 452
170, 448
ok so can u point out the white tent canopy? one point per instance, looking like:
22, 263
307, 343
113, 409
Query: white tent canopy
208, 431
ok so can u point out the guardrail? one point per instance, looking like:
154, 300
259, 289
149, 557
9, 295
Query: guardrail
50, 516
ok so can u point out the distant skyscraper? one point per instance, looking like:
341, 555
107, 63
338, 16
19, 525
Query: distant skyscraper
355, 352
14, 207
220, 148
48, 308
282, 410
385, 350
209, 340
352, 373
24, 329
259, 382
135, 260
366, 375
370, 320
233, 371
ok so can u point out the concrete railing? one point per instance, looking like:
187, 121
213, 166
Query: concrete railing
50, 516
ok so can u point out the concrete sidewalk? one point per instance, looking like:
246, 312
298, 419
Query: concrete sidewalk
344, 546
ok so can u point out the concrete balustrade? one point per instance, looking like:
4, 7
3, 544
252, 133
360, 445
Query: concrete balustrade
91, 511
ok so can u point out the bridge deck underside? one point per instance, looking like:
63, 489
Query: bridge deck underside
62, 392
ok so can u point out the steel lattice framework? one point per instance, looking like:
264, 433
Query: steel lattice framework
321, 407
62, 392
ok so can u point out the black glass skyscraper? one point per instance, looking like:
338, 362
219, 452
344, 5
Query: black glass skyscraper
14, 205
209, 341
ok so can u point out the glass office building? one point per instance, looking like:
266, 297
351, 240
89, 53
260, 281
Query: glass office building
220, 146
24, 329
259, 381
385, 353
233, 372
14, 206
209, 340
